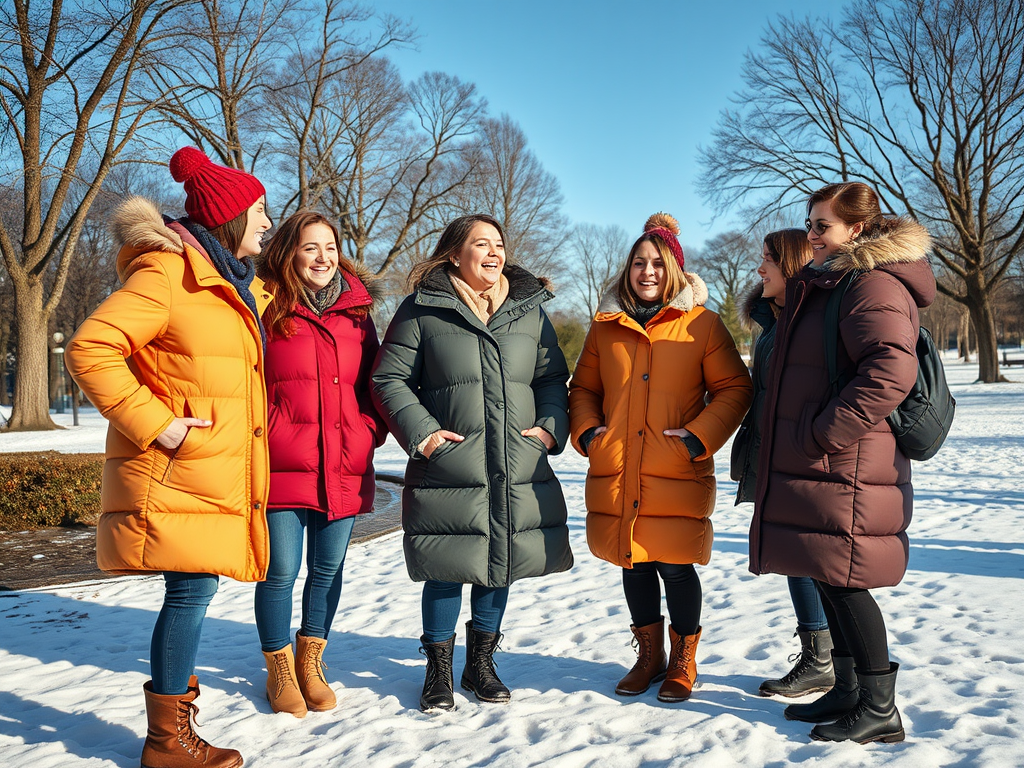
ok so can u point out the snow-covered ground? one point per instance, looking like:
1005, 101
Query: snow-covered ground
73, 658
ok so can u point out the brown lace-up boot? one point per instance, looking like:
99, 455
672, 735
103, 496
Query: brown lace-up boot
282, 686
649, 642
171, 741
682, 666
310, 669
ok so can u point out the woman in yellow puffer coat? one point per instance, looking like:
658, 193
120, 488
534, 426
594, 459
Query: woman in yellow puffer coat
174, 360
657, 390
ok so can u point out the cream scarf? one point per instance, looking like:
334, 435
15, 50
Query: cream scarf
484, 304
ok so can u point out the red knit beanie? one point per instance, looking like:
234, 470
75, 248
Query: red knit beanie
665, 228
214, 194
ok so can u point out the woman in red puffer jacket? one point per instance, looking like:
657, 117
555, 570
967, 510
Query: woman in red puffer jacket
323, 431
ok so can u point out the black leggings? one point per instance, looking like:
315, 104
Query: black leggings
682, 594
857, 627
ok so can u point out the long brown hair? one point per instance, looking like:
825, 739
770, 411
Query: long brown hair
853, 202
231, 233
674, 279
450, 243
278, 270
789, 249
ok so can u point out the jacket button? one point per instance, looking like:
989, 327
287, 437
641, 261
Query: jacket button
258, 431
640, 433
497, 477
337, 425
257, 505
646, 377
636, 504
499, 405
629, 555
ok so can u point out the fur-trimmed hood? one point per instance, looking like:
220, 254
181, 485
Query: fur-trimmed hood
900, 249
139, 228
522, 284
693, 294
755, 309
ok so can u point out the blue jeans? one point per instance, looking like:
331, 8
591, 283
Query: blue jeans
175, 643
326, 546
442, 601
810, 616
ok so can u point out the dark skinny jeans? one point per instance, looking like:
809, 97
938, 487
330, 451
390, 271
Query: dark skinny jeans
642, 587
857, 627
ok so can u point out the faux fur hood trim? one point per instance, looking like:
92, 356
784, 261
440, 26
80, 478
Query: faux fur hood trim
755, 310
137, 222
373, 285
693, 294
902, 241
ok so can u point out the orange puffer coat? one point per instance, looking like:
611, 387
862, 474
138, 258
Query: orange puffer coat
176, 340
646, 499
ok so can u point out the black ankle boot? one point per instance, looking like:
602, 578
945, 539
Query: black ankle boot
479, 675
439, 685
837, 702
813, 669
875, 718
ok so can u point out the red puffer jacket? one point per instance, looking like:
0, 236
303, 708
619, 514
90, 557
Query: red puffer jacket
323, 427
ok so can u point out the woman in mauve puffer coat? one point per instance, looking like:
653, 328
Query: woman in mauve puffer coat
471, 381
323, 431
658, 389
174, 360
834, 495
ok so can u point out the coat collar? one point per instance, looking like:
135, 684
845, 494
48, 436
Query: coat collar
525, 292
902, 241
693, 294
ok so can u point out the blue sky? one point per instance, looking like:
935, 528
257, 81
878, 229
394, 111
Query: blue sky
614, 97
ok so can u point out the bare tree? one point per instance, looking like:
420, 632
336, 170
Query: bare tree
66, 72
514, 187
921, 99
597, 255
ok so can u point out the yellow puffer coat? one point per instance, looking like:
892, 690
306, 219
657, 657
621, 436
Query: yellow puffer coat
175, 341
647, 500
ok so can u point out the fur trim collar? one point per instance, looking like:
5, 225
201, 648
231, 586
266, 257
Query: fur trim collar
694, 294
138, 223
902, 241
522, 284
373, 285
755, 310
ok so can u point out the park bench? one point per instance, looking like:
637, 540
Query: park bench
1017, 360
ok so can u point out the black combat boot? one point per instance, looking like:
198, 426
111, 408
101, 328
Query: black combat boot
439, 685
875, 718
812, 671
479, 676
837, 702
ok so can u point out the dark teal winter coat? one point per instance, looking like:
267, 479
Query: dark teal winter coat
488, 510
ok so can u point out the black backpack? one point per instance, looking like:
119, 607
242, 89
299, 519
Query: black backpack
921, 422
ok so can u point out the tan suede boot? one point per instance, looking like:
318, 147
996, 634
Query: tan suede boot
171, 741
310, 668
282, 686
682, 666
649, 642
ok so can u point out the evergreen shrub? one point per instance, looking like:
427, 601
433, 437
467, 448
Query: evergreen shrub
46, 489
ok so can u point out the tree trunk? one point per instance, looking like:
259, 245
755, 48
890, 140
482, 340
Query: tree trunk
979, 305
31, 409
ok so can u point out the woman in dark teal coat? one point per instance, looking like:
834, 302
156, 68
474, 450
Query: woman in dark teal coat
472, 383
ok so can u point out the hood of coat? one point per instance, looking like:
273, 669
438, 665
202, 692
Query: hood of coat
901, 249
522, 285
694, 294
139, 228
756, 310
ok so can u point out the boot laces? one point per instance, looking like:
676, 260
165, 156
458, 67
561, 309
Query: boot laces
803, 659
685, 656
643, 651
439, 666
281, 671
192, 742
847, 721
314, 661
486, 656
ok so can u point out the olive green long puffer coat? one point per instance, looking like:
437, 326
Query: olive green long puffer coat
488, 510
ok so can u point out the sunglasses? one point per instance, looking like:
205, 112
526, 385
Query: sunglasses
819, 228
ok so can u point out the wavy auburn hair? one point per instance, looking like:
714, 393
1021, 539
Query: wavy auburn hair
278, 270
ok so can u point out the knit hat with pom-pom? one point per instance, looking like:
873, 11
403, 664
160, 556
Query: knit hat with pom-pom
665, 228
214, 194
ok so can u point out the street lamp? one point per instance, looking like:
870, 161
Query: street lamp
58, 350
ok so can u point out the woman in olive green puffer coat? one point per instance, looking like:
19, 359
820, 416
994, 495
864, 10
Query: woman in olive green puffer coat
472, 383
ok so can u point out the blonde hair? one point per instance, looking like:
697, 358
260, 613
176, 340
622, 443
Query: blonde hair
675, 281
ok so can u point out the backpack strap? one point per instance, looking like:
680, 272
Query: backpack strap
831, 330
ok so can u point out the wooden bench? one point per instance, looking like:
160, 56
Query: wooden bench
1007, 360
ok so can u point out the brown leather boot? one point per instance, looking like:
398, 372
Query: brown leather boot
682, 666
282, 686
310, 669
649, 642
171, 741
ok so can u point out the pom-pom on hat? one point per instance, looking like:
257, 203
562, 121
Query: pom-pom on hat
666, 228
214, 194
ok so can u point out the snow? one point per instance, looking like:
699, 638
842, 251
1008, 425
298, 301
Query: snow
73, 658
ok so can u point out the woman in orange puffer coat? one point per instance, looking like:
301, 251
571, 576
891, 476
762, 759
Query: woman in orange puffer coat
174, 360
658, 389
